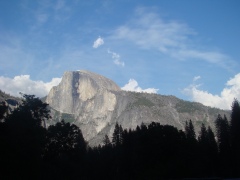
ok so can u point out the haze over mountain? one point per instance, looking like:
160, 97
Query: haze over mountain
95, 103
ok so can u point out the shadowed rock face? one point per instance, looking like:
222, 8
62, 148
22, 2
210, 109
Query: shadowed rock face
88, 97
95, 104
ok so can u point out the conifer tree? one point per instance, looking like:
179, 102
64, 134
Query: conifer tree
235, 136
190, 131
207, 151
117, 138
213, 149
26, 135
203, 136
223, 138
106, 141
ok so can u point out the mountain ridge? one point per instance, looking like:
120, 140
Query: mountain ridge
95, 103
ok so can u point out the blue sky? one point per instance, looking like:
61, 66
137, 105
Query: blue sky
189, 49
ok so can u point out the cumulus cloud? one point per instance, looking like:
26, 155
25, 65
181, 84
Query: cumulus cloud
222, 101
116, 58
99, 41
176, 39
132, 85
24, 84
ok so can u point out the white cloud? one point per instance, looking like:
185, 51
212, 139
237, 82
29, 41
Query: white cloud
118, 62
176, 39
132, 85
24, 84
223, 101
99, 41
116, 58
196, 78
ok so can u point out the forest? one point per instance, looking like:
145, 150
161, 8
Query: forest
29, 150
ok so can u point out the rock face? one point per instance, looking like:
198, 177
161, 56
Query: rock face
10, 101
86, 97
95, 104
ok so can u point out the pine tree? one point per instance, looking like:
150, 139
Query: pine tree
207, 151
223, 139
26, 135
106, 141
235, 136
203, 136
213, 149
117, 138
190, 131
191, 149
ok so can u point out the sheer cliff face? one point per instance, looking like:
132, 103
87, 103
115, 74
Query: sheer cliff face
95, 104
88, 97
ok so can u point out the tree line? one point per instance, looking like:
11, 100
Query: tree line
29, 150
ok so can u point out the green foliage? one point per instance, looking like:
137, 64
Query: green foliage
141, 101
68, 117
30, 151
190, 131
117, 138
235, 136
64, 139
106, 141
223, 135
57, 116
187, 107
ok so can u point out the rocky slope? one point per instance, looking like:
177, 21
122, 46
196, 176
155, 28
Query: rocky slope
11, 101
95, 104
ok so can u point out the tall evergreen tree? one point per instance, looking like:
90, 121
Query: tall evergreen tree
117, 138
213, 149
106, 141
191, 149
223, 139
190, 131
203, 135
235, 136
207, 151
26, 136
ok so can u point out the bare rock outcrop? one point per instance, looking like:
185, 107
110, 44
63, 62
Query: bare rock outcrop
89, 98
95, 103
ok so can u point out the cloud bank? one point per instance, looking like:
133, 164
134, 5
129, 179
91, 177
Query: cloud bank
132, 85
99, 41
25, 85
222, 101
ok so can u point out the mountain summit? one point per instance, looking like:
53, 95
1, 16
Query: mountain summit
78, 87
95, 103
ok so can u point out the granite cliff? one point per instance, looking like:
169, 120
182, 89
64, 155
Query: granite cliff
95, 104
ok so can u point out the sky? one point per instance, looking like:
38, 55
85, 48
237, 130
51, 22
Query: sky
189, 49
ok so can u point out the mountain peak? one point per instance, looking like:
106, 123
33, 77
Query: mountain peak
77, 87
95, 103
99, 80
